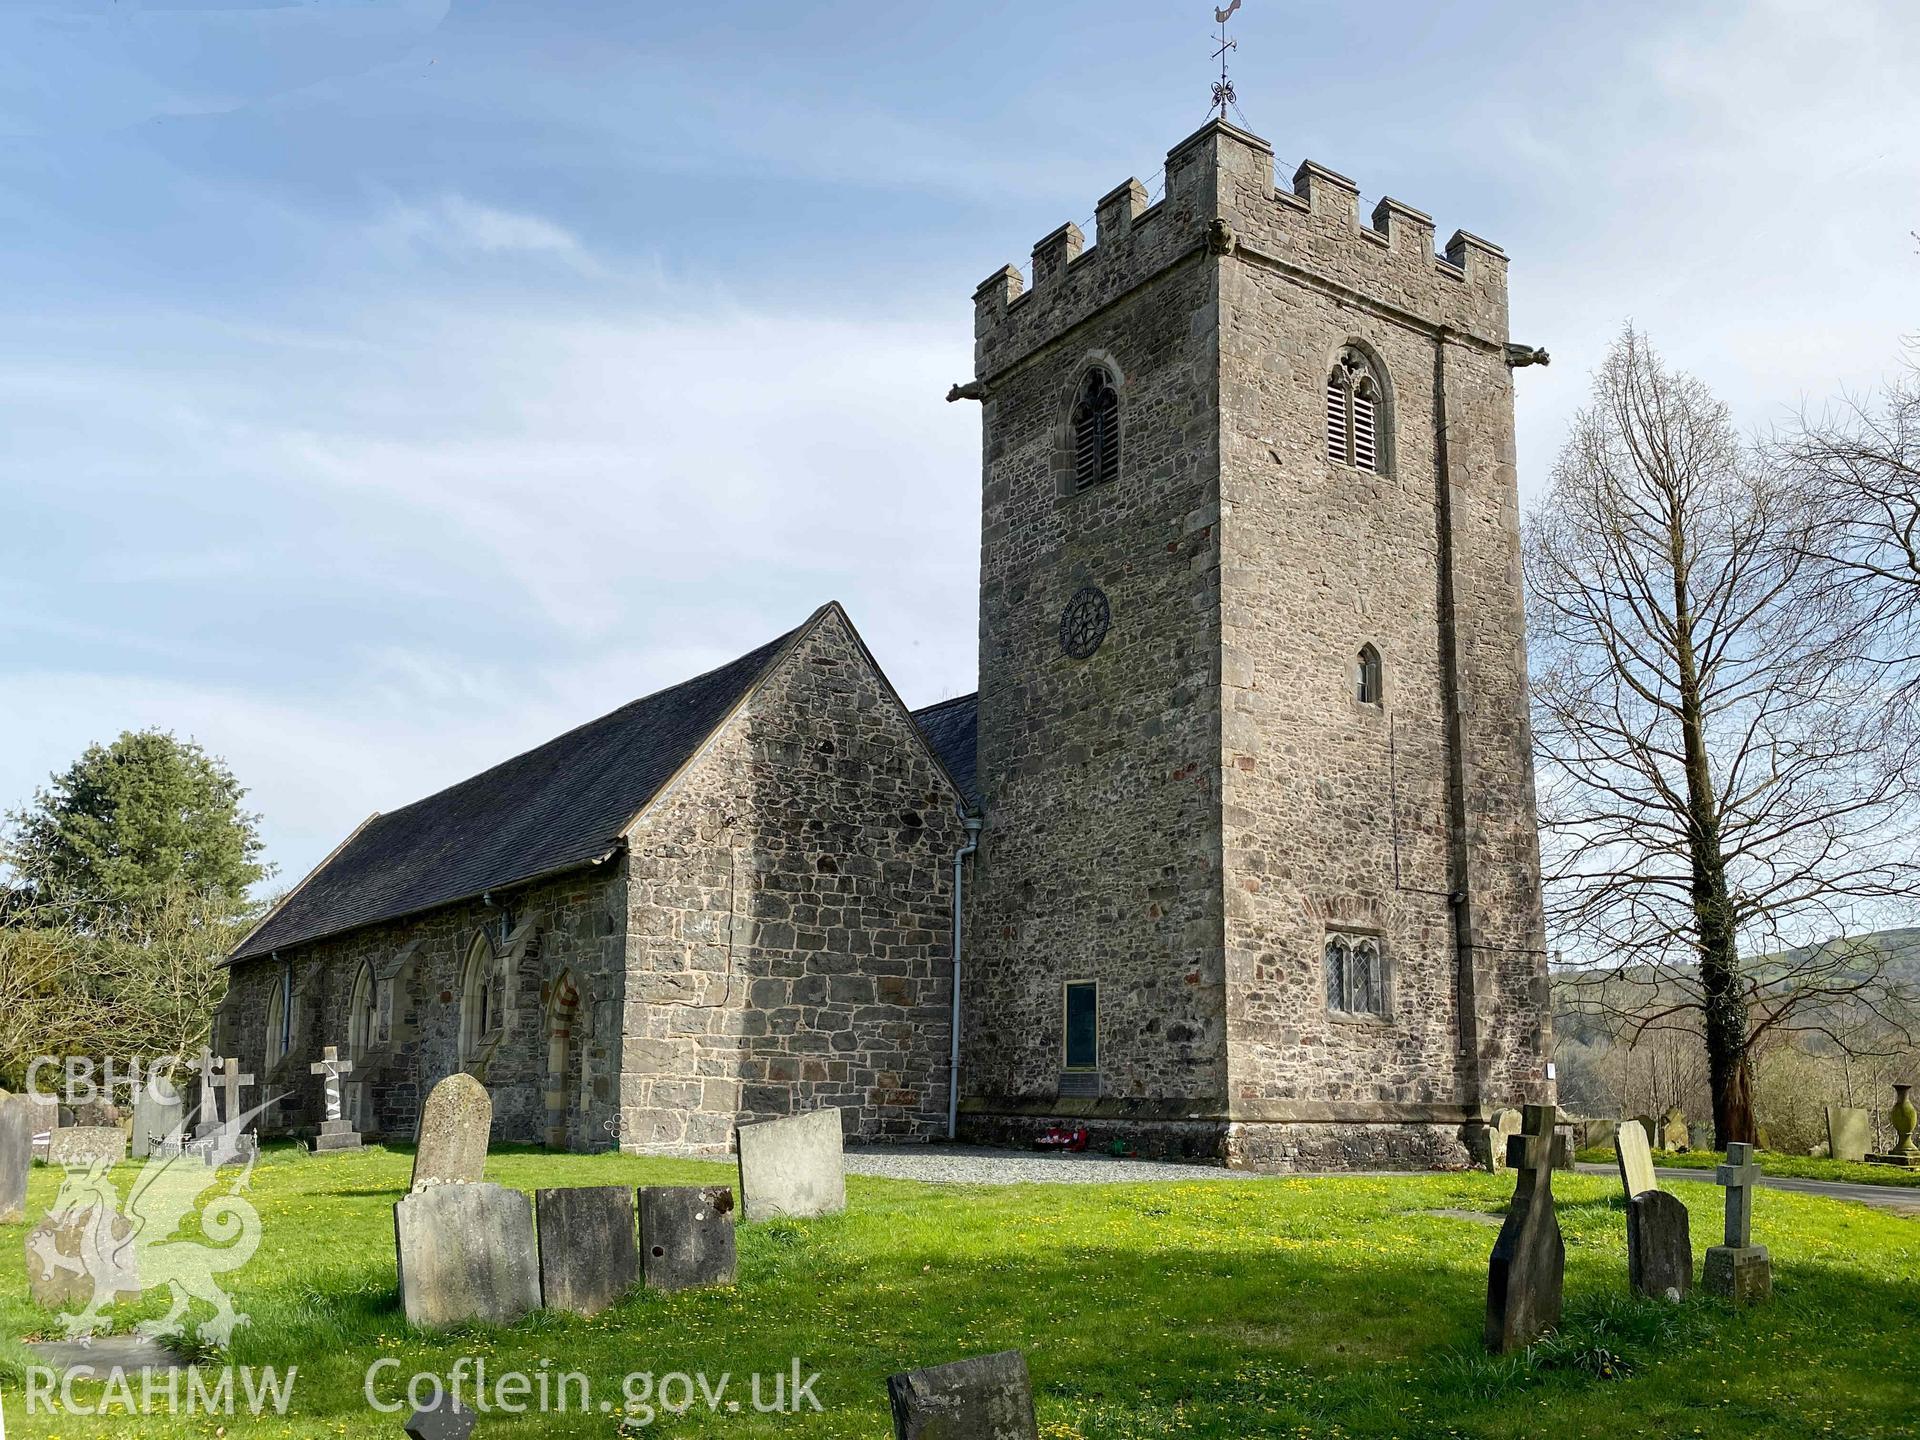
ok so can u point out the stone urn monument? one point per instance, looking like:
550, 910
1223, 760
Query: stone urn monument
1902, 1118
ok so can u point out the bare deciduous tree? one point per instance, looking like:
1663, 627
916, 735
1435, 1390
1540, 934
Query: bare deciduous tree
1858, 465
1717, 795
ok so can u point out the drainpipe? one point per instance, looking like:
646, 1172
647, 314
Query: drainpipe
972, 822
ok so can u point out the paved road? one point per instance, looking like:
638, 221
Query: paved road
1901, 1200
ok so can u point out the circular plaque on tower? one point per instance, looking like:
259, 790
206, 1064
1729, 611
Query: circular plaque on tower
1085, 623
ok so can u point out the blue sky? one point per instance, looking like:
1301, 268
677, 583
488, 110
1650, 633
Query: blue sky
386, 385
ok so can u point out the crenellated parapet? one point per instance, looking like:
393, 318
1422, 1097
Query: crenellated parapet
1221, 199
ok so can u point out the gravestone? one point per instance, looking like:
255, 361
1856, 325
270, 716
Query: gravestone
588, 1261
79, 1146
72, 1254
1645, 1122
1635, 1158
336, 1131
1491, 1139
686, 1236
1739, 1270
1528, 1264
16, 1158
465, 1252
43, 1117
794, 1167
443, 1420
454, 1125
1849, 1133
1674, 1135
207, 1117
1659, 1247
988, 1398
157, 1121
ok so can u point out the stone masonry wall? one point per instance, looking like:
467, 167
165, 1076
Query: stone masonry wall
790, 912
1100, 860
569, 925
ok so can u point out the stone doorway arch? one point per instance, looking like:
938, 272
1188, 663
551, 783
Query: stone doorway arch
563, 1057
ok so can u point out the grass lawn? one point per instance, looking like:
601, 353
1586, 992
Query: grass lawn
1804, 1167
1216, 1308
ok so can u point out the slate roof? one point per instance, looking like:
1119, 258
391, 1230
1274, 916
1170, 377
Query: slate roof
555, 808
950, 728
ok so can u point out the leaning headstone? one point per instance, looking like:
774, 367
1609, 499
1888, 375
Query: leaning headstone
1849, 1133
1659, 1246
1528, 1265
1674, 1135
1636, 1159
454, 1125
1739, 1270
794, 1167
588, 1262
157, 1121
77, 1255
686, 1236
442, 1420
79, 1146
16, 1158
1491, 1140
336, 1131
466, 1252
988, 1398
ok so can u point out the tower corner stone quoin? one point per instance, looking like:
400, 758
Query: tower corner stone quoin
1188, 817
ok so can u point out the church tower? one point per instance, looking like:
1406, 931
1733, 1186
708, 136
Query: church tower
1259, 877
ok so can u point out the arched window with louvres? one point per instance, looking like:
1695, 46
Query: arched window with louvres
1358, 423
1096, 430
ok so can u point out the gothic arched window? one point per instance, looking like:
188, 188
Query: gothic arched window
279, 1021
479, 999
1356, 975
1357, 423
1366, 676
1096, 430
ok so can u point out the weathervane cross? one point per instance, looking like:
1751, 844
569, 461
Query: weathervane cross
1223, 92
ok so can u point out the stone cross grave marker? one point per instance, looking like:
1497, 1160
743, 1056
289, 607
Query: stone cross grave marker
454, 1125
588, 1259
794, 1167
466, 1252
209, 1118
1630, 1148
16, 1157
1528, 1264
1737, 1269
986, 1398
686, 1236
233, 1082
1849, 1130
336, 1131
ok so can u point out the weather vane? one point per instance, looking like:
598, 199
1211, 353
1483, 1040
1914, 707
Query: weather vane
1223, 92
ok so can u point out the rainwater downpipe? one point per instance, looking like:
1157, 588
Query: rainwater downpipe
972, 822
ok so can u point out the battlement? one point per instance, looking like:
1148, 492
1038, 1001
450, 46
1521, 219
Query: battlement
1221, 199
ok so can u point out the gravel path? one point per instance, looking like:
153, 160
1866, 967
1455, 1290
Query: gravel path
977, 1165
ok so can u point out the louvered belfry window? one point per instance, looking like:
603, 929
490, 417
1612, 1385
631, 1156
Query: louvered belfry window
1354, 418
1096, 431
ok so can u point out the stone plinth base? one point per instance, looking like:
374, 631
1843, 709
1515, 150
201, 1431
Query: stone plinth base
1743, 1276
336, 1135
1904, 1162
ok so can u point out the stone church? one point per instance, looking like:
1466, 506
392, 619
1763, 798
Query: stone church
1231, 857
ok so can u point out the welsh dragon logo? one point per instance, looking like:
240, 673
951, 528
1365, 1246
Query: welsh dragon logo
122, 1251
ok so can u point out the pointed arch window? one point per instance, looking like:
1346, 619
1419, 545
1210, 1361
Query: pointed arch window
1356, 413
1367, 683
480, 999
1096, 430
279, 1020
